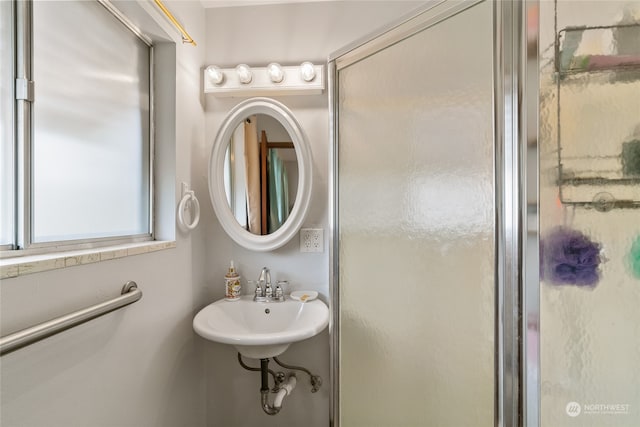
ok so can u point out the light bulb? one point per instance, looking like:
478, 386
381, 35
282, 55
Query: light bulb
244, 74
307, 71
215, 74
275, 72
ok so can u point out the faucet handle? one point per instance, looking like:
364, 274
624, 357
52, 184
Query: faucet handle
279, 295
257, 295
279, 292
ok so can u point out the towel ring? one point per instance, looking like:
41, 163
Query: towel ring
189, 196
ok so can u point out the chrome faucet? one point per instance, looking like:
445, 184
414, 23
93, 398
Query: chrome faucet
265, 274
264, 291
264, 285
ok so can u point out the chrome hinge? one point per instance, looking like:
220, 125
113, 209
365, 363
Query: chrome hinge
24, 90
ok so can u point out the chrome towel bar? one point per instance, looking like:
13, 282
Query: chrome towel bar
130, 294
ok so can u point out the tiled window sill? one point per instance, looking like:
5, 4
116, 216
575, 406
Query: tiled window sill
19, 266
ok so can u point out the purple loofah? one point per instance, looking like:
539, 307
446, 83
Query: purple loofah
569, 258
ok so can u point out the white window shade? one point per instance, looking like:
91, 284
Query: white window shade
91, 120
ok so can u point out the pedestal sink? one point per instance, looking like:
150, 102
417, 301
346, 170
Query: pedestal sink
261, 330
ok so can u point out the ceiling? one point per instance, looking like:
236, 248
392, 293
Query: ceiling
232, 3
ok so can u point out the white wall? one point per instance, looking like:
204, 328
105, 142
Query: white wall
138, 366
288, 34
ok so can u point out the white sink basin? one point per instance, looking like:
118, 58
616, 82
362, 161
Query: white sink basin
260, 330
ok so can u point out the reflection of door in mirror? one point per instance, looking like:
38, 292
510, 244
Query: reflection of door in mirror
261, 174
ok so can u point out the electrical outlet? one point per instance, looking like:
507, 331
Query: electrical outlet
311, 240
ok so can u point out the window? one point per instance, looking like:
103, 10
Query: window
85, 175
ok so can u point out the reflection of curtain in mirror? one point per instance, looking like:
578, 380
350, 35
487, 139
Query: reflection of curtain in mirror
252, 168
227, 174
278, 191
237, 188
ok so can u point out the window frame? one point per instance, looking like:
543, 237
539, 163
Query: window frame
23, 138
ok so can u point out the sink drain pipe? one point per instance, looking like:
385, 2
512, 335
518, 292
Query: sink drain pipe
285, 389
278, 377
283, 386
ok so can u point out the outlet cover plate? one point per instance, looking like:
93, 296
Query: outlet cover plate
311, 240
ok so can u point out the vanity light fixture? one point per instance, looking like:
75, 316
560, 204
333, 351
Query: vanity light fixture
244, 74
272, 80
215, 75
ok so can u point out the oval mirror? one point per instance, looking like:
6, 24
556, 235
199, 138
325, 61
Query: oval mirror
260, 174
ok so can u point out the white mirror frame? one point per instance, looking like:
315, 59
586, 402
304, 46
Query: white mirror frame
217, 192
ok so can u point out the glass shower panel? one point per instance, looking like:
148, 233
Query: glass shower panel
590, 213
416, 229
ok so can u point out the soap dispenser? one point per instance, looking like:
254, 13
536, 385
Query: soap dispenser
232, 284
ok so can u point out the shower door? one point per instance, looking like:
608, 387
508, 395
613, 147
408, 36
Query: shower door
487, 218
414, 251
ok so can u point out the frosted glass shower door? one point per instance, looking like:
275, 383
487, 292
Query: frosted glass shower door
415, 201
